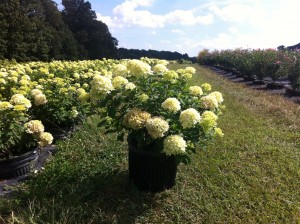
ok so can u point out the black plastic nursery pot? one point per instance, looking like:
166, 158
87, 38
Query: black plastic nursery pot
274, 85
249, 79
17, 166
150, 171
258, 82
292, 92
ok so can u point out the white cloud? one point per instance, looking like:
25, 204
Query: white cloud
106, 19
233, 12
233, 30
165, 41
177, 31
187, 17
127, 14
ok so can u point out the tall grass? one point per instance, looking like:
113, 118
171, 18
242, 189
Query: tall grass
251, 176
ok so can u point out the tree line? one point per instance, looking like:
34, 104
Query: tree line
32, 30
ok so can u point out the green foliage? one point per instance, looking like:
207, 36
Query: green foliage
294, 74
251, 176
93, 36
34, 30
13, 138
260, 64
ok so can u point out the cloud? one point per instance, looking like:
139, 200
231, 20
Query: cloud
177, 31
128, 14
233, 12
165, 41
187, 17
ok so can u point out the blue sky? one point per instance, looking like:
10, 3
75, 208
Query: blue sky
188, 26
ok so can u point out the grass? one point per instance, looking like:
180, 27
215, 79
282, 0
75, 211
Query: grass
251, 176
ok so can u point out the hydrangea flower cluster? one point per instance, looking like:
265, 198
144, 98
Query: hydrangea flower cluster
160, 68
174, 145
119, 81
171, 104
157, 127
136, 119
209, 102
36, 128
189, 118
138, 68
195, 90
21, 101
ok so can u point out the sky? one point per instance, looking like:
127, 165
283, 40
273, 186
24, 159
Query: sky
189, 26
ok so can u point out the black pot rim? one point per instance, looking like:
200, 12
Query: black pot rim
25, 156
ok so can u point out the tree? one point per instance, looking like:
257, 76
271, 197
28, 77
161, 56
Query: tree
63, 44
92, 35
34, 30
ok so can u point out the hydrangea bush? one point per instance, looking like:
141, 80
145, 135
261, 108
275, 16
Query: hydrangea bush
19, 134
160, 109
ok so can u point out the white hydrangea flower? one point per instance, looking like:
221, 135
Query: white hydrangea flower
189, 118
209, 102
19, 99
138, 68
218, 96
174, 145
5, 105
34, 127
45, 139
195, 90
218, 133
119, 81
40, 99
170, 76
120, 70
171, 105
101, 85
130, 86
160, 68
206, 87
136, 119
157, 127
35, 92
190, 70
208, 120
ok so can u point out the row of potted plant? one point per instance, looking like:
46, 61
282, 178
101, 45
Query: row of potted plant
138, 98
258, 64
142, 100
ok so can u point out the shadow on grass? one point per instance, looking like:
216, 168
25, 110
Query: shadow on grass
98, 199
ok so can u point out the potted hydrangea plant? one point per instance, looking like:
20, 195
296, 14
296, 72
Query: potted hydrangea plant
19, 137
164, 119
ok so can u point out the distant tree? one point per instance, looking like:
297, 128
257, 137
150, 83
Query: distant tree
3, 32
63, 44
281, 48
168, 55
92, 35
27, 37
295, 47
34, 30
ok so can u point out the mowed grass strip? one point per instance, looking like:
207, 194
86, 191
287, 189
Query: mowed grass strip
251, 176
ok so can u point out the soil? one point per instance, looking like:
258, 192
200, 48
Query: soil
281, 87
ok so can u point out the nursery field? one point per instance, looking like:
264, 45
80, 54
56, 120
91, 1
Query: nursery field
251, 175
